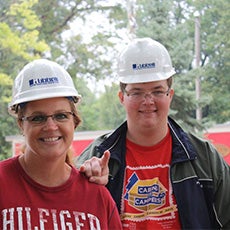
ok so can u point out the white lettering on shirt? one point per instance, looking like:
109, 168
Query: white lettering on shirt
63, 219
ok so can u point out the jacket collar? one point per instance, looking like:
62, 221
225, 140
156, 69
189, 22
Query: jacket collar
115, 142
183, 149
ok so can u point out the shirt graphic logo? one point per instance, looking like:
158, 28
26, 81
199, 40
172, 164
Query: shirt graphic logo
145, 195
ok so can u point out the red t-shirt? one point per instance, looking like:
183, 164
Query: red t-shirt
148, 201
77, 204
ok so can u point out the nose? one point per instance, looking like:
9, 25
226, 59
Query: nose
50, 124
148, 97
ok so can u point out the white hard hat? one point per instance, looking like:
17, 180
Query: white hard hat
144, 60
41, 79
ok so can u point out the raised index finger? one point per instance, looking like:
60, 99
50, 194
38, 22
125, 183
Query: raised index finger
105, 159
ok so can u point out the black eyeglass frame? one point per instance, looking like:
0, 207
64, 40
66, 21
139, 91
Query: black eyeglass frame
41, 118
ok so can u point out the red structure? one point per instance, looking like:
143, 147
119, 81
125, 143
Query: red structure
80, 142
219, 136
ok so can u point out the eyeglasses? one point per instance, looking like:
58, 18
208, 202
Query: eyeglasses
41, 118
141, 95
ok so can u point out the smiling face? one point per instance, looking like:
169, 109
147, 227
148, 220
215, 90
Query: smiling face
147, 105
52, 138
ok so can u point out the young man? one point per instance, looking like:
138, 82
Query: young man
160, 176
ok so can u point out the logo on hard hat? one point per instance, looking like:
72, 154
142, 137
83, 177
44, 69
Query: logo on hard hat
144, 66
43, 81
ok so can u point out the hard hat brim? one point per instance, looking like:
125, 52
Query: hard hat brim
38, 94
147, 77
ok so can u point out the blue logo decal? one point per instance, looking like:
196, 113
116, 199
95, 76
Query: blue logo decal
43, 81
144, 66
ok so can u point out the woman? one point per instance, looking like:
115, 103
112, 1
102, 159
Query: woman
39, 188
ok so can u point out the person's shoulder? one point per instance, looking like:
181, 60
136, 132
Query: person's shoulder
82, 179
199, 142
8, 162
7, 166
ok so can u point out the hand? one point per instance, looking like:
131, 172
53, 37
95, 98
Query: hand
97, 169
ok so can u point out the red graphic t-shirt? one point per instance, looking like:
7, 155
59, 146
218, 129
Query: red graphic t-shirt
148, 201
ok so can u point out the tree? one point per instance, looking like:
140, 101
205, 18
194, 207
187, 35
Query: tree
172, 23
215, 52
112, 112
19, 43
27, 29
30, 29
165, 21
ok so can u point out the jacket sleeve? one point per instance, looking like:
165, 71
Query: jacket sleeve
221, 176
212, 164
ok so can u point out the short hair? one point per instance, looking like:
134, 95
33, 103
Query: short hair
123, 85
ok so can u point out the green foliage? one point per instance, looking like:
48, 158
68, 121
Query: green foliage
215, 47
25, 15
21, 36
165, 21
30, 29
19, 43
172, 23
111, 111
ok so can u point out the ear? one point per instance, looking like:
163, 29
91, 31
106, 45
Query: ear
171, 93
121, 97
